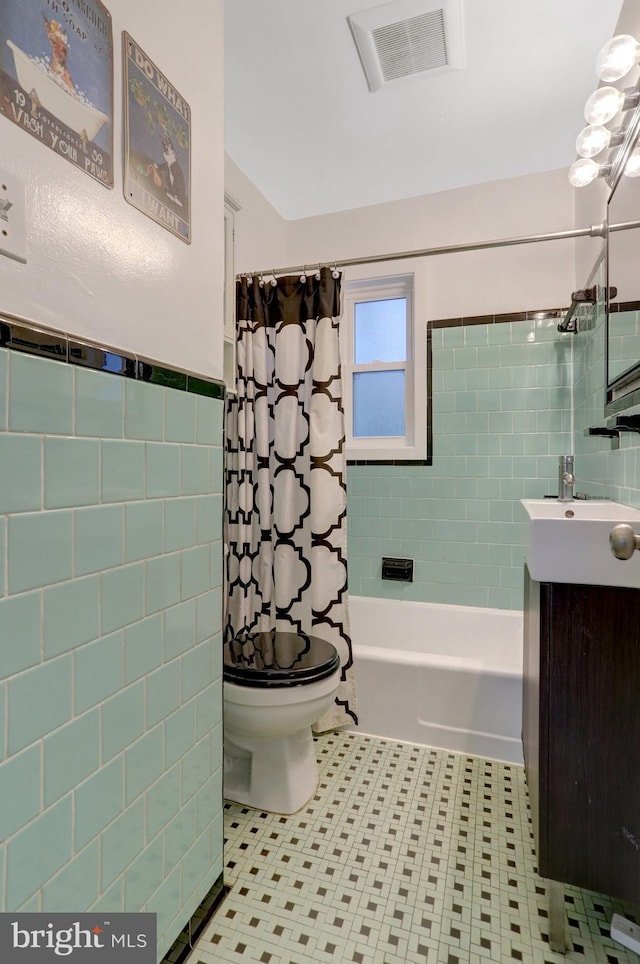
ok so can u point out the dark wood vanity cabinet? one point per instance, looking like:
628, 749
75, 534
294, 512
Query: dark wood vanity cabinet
581, 733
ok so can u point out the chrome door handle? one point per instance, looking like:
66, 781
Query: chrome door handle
623, 541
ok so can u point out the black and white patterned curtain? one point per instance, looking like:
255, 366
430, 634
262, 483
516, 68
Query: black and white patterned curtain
286, 524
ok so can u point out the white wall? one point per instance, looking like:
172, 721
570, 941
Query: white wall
591, 209
490, 281
260, 231
496, 280
98, 267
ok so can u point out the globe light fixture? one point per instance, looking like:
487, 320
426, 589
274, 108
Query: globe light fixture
603, 105
583, 172
617, 58
592, 140
632, 167
603, 152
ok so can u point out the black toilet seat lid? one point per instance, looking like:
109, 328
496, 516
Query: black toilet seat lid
278, 659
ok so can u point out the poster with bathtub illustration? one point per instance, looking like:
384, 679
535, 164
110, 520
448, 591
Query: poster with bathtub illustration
56, 78
157, 154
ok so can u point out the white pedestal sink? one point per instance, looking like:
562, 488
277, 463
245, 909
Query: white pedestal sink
569, 542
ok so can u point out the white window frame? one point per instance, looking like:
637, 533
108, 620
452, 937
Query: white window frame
413, 445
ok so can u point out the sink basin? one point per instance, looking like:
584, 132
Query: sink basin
569, 542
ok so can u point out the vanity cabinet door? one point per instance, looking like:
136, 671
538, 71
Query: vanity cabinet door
532, 713
589, 737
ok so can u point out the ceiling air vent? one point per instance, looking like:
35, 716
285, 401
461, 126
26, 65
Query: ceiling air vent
408, 37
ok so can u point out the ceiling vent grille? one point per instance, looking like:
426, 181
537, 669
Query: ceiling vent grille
411, 46
408, 37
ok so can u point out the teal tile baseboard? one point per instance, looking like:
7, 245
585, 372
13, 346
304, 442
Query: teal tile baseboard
109, 632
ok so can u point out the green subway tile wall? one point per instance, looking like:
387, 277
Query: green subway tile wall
501, 417
624, 340
110, 643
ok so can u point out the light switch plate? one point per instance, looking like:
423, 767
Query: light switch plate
13, 234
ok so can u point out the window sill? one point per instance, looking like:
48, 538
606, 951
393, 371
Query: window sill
386, 453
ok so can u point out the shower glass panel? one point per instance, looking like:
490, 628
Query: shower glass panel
379, 403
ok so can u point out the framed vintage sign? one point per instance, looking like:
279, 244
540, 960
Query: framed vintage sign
157, 151
56, 78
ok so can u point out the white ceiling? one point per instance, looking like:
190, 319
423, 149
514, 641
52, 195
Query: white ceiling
303, 126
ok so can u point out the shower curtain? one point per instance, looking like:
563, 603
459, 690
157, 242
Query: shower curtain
285, 517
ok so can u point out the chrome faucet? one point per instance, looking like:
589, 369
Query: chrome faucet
566, 478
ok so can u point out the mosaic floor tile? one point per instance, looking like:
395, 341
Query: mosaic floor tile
405, 854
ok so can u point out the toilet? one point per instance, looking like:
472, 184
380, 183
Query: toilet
276, 684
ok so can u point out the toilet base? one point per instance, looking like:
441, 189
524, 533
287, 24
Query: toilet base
276, 775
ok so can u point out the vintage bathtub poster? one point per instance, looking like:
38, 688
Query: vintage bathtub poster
56, 78
157, 155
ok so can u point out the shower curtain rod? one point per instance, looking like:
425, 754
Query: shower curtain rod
595, 231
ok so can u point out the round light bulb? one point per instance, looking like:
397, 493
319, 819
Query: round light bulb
617, 57
583, 172
603, 105
592, 140
632, 167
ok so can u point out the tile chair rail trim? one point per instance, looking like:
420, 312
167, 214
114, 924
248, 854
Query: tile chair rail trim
19, 334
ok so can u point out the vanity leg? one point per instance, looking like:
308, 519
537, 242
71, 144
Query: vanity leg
557, 919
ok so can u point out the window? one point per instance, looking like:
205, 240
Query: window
384, 378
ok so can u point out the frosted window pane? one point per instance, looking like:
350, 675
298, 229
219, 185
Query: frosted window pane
381, 331
378, 403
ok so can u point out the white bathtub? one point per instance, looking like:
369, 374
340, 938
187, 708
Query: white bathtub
442, 676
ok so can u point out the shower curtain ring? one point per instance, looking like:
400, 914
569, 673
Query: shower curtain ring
274, 280
318, 275
303, 276
335, 274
